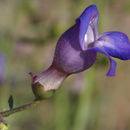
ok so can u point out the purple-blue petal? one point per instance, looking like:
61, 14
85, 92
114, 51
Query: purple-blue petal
87, 18
112, 68
113, 64
116, 44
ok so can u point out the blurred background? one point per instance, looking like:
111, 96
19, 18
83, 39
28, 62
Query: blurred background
29, 30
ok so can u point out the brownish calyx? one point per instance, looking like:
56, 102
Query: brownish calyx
46, 83
40, 93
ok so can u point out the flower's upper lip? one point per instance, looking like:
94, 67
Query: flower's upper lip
88, 26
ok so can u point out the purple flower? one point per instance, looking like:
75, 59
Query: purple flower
76, 51
3, 64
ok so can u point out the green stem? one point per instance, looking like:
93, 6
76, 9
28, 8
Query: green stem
84, 111
19, 108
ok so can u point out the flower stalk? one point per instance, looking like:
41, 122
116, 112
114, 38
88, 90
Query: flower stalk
19, 108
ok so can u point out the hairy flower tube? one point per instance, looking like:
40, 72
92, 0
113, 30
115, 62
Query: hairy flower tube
76, 51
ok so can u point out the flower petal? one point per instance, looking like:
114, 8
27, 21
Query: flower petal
88, 26
113, 63
116, 44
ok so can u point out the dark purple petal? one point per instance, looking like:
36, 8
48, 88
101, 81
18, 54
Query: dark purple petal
88, 26
69, 57
3, 64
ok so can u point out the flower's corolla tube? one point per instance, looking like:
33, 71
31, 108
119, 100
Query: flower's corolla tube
76, 51
3, 66
71, 54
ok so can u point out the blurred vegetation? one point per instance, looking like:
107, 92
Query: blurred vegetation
29, 30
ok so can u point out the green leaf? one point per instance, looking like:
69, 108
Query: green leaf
11, 102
